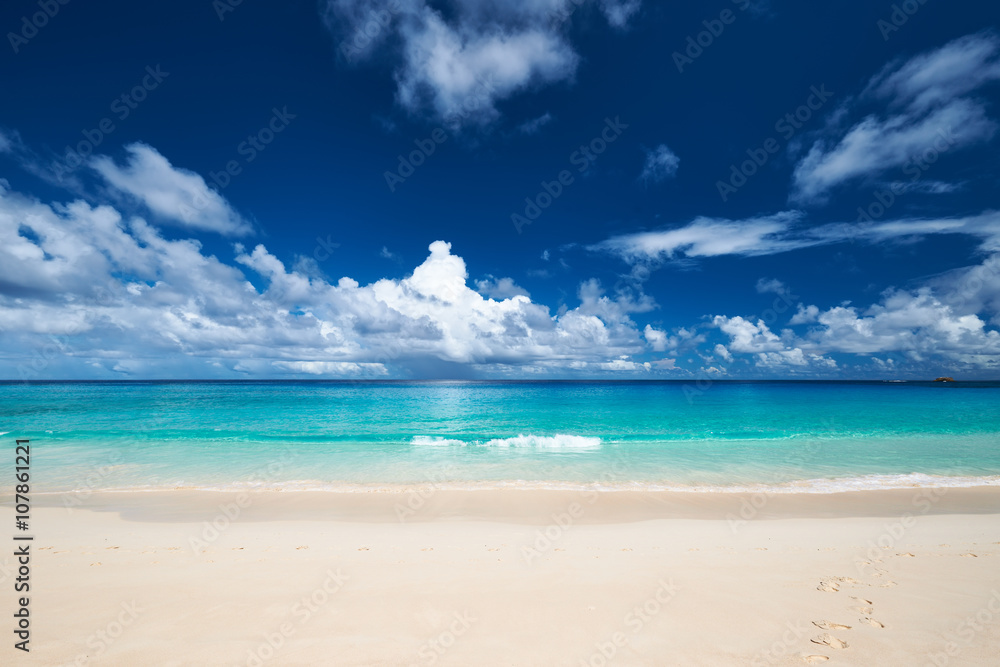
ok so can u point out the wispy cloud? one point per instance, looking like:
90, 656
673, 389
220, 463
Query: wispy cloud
929, 104
783, 232
708, 237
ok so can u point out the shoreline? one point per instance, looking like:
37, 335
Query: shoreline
531, 507
821, 486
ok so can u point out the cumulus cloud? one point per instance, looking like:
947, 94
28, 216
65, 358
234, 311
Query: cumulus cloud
661, 164
176, 196
928, 106
769, 350
918, 324
721, 352
771, 285
656, 338
458, 60
499, 288
101, 295
804, 315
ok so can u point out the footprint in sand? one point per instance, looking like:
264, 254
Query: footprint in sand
813, 659
872, 622
969, 556
906, 555
828, 586
302, 547
827, 639
364, 549
830, 625
861, 600
864, 611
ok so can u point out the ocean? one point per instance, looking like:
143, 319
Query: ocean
816, 437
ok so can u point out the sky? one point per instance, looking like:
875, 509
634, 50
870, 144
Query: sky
522, 189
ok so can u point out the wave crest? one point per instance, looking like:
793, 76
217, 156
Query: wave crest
559, 441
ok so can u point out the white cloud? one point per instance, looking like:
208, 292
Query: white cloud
974, 289
929, 107
458, 60
785, 231
771, 285
936, 77
916, 323
118, 298
661, 164
723, 353
770, 350
746, 336
462, 76
656, 338
795, 357
920, 325
708, 237
985, 226
624, 365
805, 315
874, 146
174, 195
328, 368
500, 288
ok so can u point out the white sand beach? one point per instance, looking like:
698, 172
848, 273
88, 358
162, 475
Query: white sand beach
906, 577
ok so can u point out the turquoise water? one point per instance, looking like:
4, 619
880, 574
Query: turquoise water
359, 436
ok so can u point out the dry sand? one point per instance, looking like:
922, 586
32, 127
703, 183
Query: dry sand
907, 577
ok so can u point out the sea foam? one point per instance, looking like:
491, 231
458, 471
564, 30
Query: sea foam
558, 441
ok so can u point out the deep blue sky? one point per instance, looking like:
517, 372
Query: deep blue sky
893, 94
